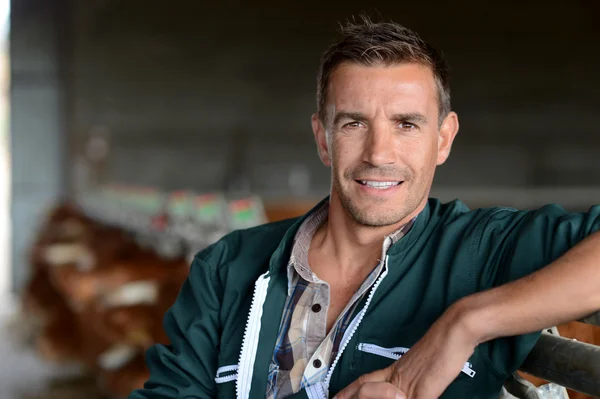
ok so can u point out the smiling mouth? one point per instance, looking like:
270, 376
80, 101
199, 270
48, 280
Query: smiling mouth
381, 185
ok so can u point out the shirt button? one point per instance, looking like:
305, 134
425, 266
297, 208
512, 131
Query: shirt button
317, 363
316, 308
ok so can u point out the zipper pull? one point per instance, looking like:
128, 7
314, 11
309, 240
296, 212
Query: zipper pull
468, 370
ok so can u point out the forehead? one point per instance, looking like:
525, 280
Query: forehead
406, 87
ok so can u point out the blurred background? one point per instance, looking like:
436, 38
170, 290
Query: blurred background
118, 118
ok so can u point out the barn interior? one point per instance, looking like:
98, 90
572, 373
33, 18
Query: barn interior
136, 133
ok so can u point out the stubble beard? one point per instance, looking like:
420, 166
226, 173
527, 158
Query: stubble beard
371, 219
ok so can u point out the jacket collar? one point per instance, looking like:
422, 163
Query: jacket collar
281, 255
416, 230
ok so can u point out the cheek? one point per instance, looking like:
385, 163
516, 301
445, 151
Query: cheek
419, 155
412, 150
344, 152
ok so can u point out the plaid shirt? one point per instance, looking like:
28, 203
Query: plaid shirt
304, 350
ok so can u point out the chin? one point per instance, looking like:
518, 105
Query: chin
378, 209
375, 216
373, 222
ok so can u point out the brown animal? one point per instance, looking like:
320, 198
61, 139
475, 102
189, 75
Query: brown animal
122, 381
40, 297
59, 340
100, 296
82, 287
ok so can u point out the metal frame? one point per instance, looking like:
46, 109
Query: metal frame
566, 362
593, 319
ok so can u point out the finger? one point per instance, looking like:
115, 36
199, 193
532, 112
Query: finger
379, 390
352, 389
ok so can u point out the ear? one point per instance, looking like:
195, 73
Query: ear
448, 132
321, 139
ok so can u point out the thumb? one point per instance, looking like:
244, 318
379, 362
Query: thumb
376, 376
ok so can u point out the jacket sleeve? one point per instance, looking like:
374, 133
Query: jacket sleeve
186, 368
514, 244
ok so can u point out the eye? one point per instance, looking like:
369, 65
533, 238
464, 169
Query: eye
407, 126
353, 125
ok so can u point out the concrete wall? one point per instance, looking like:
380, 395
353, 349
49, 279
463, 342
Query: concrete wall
38, 131
218, 96
209, 96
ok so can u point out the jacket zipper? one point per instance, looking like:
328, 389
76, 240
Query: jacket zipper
227, 378
354, 325
317, 391
250, 341
391, 353
226, 369
397, 352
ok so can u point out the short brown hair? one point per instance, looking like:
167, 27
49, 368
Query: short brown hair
368, 43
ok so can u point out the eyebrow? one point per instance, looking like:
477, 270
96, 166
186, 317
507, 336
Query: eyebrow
411, 117
357, 116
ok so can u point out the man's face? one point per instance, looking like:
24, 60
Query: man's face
383, 140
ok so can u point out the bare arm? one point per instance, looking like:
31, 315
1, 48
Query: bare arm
567, 289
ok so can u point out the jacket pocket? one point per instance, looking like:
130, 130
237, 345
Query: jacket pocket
391, 353
396, 353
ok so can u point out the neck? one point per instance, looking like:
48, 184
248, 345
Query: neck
354, 246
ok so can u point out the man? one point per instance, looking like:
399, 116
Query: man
379, 291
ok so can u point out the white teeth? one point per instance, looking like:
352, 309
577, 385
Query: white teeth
380, 184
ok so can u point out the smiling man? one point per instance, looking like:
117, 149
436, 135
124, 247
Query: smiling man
379, 291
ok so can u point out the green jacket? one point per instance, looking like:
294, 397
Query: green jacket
225, 321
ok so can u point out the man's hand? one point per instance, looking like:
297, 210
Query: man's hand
427, 369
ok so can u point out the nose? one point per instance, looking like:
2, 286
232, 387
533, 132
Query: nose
379, 147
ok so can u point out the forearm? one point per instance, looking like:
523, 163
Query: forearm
565, 290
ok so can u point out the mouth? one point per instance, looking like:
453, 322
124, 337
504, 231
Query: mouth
379, 185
